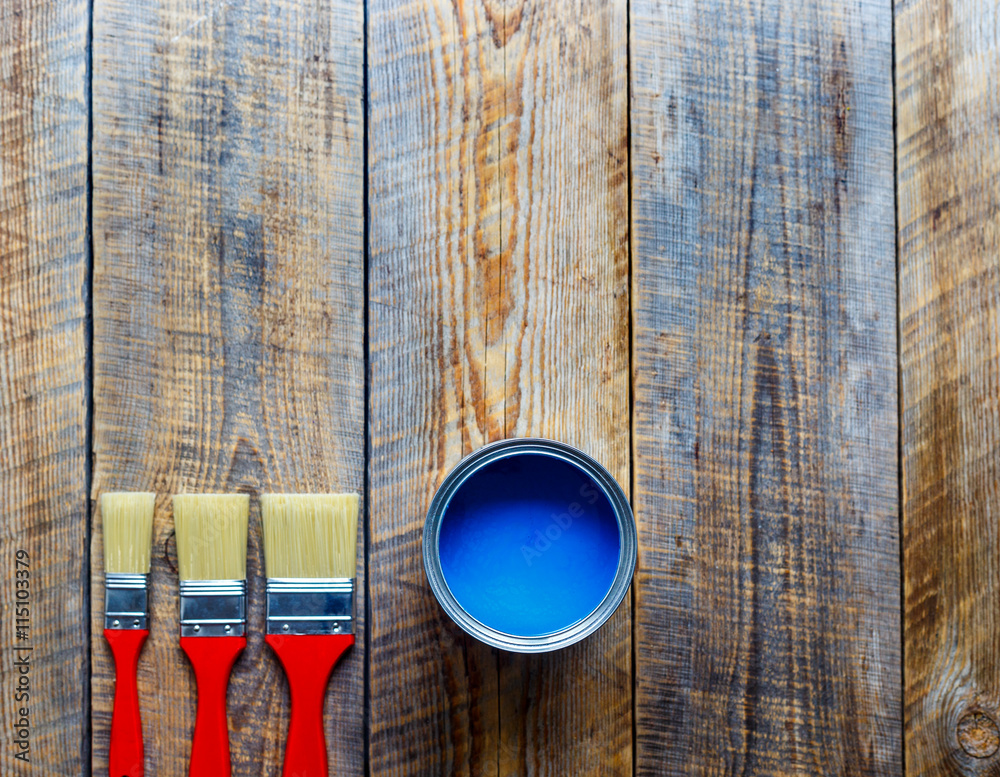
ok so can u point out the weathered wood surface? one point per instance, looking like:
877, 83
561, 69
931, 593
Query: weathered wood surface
228, 334
43, 380
498, 307
767, 600
228, 315
948, 157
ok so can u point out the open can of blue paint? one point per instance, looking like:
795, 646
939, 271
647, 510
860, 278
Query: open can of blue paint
529, 545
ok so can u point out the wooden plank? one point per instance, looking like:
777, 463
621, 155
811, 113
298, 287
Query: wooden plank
498, 308
228, 325
765, 429
43, 386
948, 108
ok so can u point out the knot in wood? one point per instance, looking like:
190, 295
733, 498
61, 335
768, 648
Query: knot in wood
978, 734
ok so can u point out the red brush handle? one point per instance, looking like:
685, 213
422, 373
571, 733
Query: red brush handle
212, 659
308, 660
125, 753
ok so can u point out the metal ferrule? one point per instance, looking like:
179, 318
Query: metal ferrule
213, 608
126, 601
304, 605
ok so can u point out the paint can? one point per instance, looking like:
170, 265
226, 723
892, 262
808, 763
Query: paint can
529, 545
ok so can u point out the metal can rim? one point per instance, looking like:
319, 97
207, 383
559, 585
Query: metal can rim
627, 534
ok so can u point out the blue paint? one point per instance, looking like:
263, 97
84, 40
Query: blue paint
529, 545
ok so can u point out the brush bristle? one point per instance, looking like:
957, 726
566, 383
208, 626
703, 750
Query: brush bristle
310, 535
211, 535
128, 531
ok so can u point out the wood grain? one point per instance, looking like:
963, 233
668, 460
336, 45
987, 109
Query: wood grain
765, 432
228, 326
43, 382
498, 308
948, 152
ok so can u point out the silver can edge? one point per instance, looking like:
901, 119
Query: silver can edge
627, 533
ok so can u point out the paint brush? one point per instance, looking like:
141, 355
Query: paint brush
212, 562
310, 542
128, 532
